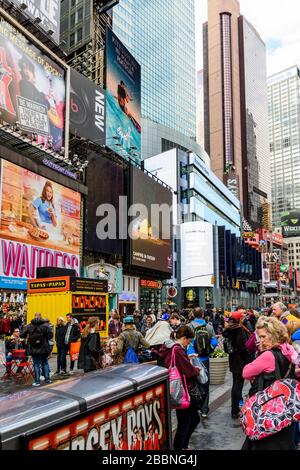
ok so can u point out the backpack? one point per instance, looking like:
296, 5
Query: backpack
201, 341
36, 337
131, 357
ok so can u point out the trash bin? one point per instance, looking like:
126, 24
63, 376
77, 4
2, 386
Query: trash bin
124, 407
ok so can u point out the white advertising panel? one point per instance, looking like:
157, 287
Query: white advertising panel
197, 262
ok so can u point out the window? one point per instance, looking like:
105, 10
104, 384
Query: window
79, 35
80, 14
72, 21
72, 39
73, 3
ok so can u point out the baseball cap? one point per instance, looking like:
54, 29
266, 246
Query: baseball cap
165, 317
129, 319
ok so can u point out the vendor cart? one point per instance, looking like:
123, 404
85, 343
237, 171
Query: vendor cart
124, 407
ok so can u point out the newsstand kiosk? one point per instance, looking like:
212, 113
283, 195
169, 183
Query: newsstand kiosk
57, 296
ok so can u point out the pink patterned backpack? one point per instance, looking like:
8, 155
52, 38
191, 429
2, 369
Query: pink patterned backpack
271, 410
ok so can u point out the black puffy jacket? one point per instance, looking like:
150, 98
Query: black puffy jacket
43, 348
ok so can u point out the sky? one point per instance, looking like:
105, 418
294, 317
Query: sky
277, 22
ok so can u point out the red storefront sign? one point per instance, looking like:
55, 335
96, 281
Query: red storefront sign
150, 284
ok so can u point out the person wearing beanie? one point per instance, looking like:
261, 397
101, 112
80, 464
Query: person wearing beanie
130, 337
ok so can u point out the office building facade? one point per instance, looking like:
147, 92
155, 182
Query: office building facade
235, 108
200, 109
284, 135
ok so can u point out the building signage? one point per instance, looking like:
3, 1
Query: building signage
33, 88
58, 284
88, 285
113, 427
48, 11
88, 303
232, 183
290, 223
111, 274
172, 292
150, 284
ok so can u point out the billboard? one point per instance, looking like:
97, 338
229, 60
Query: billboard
123, 98
151, 236
137, 422
39, 223
87, 109
33, 90
100, 194
290, 223
48, 11
197, 261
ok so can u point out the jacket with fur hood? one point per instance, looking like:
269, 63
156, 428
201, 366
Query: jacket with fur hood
182, 361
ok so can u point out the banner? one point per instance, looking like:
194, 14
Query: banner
47, 10
87, 109
138, 422
123, 95
290, 223
39, 223
32, 88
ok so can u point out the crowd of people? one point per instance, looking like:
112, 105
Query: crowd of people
262, 346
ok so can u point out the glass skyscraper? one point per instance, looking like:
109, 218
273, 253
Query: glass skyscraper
284, 132
161, 36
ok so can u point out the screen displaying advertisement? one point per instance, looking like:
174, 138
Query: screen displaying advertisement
103, 170
197, 269
151, 236
87, 109
123, 98
290, 223
47, 10
138, 422
39, 223
32, 88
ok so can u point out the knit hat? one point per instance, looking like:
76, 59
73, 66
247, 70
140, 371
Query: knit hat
165, 317
128, 320
236, 315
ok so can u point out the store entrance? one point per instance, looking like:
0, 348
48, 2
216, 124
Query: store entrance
126, 308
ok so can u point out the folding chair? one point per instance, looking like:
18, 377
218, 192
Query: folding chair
23, 370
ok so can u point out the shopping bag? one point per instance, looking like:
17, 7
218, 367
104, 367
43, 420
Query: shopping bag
180, 398
203, 374
74, 350
271, 410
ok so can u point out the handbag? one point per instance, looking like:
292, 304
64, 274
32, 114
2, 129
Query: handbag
203, 375
197, 393
74, 350
271, 410
179, 395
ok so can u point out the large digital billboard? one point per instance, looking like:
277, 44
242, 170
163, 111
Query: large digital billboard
123, 97
290, 223
87, 109
102, 169
48, 11
39, 223
32, 88
150, 231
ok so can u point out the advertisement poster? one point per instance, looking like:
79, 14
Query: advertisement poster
47, 10
39, 223
290, 223
123, 98
137, 423
87, 109
149, 250
32, 88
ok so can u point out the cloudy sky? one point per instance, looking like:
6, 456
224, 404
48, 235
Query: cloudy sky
277, 22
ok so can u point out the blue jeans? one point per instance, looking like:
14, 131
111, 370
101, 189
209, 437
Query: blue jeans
40, 361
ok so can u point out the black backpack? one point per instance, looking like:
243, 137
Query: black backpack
202, 341
228, 346
36, 337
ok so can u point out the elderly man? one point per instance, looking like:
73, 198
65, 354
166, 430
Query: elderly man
280, 311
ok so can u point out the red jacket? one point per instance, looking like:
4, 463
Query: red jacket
181, 360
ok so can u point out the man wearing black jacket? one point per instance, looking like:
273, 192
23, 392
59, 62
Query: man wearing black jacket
238, 358
71, 335
39, 334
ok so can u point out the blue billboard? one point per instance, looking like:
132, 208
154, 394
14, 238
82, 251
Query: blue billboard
123, 100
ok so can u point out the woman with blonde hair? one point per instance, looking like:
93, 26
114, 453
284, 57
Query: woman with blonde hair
59, 339
90, 348
275, 360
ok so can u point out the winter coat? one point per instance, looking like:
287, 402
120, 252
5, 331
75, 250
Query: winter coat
114, 328
130, 337
90, 352
75, 332
159, 333
60, 336
183, 364
44, 348
241, 356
